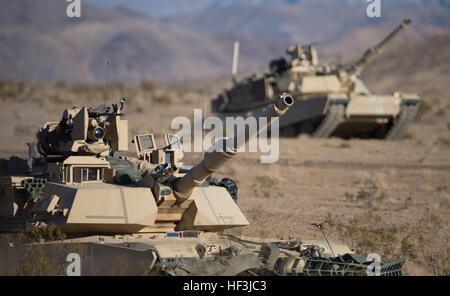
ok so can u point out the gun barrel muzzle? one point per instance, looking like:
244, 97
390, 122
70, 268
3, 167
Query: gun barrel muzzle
224, 150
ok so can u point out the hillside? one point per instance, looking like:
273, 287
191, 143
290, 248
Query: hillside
163, 8
421, 66
38, 42
334, 25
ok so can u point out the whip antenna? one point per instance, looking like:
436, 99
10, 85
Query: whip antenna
320, 228
234, 65
107, 81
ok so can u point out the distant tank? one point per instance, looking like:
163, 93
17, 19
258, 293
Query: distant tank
331, 100
144, 215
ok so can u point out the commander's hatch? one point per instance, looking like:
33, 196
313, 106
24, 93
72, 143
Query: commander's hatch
171, 153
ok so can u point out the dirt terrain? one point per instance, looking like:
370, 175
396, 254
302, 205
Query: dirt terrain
386, 197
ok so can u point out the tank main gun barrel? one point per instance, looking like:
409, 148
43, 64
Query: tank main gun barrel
374, 51
225, 149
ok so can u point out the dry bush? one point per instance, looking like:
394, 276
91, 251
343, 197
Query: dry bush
266, 187
363, 235
369, 195
12, 90
427, 232
44, 261
423, 109
162, 99
342, 145
444, 142
147, 86
36, 258
417, 242
440, 113
372, 196
254, 213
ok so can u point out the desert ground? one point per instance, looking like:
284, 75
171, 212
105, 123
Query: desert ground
385, 197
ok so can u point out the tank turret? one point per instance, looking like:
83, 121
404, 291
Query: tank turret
83, 130
82, 154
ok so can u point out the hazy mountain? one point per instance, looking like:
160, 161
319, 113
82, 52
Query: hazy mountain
164, 8
39, 42
338, 24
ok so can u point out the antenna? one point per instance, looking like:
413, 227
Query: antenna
234, 66
320, 228
107, 81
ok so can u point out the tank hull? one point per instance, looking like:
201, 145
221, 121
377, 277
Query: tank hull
333, 114
367, 116
176, 254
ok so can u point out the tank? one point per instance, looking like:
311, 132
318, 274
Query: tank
80, 200
330, 100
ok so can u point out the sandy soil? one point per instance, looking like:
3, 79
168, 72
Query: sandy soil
400, 183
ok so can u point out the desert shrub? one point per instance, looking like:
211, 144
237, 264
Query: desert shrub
147, 86
424, 108
49, 233
440, 112
369, 195
444, 141
417, 242
435, 256
365, 237
58, 100
79, 89
33, 257
22, 130
60, 84
162, 99
266, 186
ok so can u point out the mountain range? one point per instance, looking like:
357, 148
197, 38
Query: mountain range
124, 43
164, 8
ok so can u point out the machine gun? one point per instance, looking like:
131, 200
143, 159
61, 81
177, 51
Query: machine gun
85, 131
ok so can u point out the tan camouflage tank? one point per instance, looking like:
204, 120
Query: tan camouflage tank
330, 100
78, 197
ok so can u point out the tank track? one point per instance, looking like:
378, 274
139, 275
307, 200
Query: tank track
400, 124
334, 117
